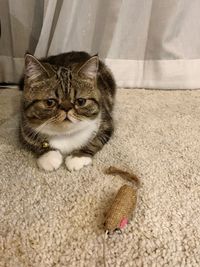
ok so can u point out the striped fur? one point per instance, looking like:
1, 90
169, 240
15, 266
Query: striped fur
60, 94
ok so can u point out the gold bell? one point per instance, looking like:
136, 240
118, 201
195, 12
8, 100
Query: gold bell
45, 144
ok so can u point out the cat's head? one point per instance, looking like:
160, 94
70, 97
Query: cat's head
57, 98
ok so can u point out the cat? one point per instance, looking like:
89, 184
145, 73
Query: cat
67, 104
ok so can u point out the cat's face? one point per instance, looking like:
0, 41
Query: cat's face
57, 99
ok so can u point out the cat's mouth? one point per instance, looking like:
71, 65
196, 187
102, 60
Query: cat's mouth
71, 118
67, 119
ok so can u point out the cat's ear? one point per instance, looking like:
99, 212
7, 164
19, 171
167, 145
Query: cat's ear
90, 68
34, 68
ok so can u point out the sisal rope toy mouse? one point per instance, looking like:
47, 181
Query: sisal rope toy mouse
124, 203
122, 207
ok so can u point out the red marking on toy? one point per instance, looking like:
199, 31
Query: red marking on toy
123, 222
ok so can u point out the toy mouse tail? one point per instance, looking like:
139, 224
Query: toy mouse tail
124, 174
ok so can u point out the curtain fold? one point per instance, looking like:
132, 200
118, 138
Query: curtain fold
146, 43
21, 23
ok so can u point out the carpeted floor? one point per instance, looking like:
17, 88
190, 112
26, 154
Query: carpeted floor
55, 219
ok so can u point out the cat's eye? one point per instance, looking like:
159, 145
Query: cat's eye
80, 102
50, 103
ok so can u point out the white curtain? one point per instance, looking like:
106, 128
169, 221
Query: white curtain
146, 43
20, 22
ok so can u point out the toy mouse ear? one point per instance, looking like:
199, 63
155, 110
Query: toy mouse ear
34, 68
90, 68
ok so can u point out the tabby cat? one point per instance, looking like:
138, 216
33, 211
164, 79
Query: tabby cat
67, 104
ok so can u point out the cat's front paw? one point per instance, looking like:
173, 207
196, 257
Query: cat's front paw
74, 163
50, 161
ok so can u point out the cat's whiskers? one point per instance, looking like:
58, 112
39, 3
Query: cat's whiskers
39, 128
31, 133
53, 119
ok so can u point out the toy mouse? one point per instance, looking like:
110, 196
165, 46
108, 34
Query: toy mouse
124, 203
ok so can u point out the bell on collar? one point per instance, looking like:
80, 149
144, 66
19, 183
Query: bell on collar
45, 144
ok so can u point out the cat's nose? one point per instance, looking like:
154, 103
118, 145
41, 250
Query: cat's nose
66, 105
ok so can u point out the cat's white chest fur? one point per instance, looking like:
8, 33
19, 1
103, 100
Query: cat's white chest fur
66, 143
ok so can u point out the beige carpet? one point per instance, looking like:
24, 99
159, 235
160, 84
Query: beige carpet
55, 219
